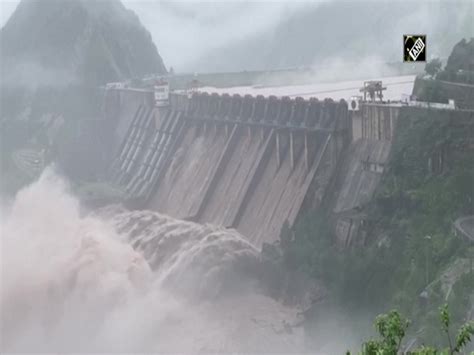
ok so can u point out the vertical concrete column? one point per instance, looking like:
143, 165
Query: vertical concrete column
374, 122
292, 113
278, 111
252, 113
265, 110
390, 124
366, 122
292, 151
305, 117
277, 138
306, 157
362, 130
371, 121
219, 106
379, 123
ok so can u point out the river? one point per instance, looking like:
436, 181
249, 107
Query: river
135, 281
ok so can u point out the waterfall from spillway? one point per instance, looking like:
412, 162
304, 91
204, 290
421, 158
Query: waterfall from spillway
118, 280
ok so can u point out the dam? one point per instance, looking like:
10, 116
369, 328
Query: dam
248, 163
210, 180
254, 163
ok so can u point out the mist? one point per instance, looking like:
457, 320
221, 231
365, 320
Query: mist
186, 30
370, 30
33, 75
175, 221
251, 35
71, 281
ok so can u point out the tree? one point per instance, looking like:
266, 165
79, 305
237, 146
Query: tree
392, 329
433, 67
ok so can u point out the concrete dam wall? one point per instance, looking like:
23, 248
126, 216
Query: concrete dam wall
361, 169
254, 163
249, 163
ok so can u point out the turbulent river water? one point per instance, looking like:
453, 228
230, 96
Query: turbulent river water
136, 281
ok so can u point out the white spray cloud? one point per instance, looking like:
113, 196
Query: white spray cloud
61, 274
72, 283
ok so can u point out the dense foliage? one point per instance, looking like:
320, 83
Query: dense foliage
410, 242
449, 83
460, 64
392, 329
433, 67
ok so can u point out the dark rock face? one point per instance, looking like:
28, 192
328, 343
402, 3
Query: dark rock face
455, 82
76, 41
462, 56
54, 56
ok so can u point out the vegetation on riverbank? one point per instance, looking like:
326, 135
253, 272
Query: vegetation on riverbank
392, 328
410, 258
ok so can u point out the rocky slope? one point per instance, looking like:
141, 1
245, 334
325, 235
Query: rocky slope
462, 56
454, 82
54, 56
93, 42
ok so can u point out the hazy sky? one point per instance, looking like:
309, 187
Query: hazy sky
6, 9
185, 30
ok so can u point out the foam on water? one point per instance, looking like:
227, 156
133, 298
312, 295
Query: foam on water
119, 280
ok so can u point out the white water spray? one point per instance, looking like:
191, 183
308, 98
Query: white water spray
118, 280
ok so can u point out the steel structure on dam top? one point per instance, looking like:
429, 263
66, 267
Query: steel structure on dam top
249, 163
